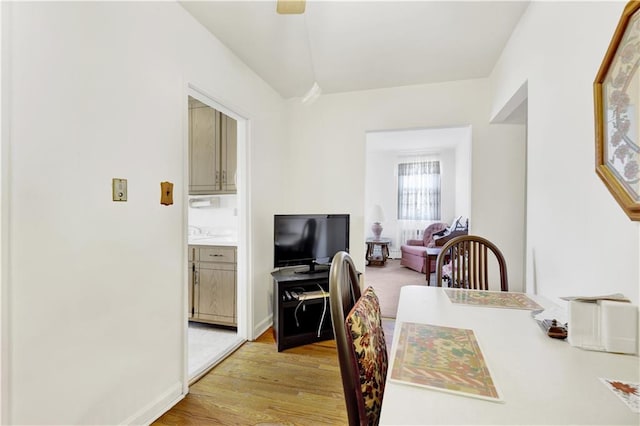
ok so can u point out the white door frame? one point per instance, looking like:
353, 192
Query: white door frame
5, 143
244, 288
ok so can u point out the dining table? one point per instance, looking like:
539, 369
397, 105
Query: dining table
471, 358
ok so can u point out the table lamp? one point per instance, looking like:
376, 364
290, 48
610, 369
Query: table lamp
378, 216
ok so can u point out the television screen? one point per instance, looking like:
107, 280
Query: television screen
309, 239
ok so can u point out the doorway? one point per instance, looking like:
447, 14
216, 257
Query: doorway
216, 227
515, 112
385, 150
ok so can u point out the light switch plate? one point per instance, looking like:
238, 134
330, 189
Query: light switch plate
119, 189
166, 193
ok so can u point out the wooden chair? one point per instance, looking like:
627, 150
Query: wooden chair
469, 268
362, 352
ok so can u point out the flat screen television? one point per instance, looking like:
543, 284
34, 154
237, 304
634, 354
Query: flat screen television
308, 239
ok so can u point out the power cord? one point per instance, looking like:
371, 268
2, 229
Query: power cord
324, 309
295, 312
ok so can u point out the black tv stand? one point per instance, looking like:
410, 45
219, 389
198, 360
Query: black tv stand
305, 319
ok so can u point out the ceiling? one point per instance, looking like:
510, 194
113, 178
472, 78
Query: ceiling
422, 141
358, 45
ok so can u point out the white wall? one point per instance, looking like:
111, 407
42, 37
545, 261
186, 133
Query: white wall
327, 156
448, 184
380, 189
95, 288
219, 218
4, 226
579, 239
463, 177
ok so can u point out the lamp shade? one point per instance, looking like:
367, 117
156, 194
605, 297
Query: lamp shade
377, 214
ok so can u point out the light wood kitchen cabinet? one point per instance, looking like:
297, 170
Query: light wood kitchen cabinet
213, 285
204, 143
228, 153
193, 252
212, 150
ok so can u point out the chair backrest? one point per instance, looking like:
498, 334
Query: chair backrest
363, 327
344, 285
469, 255
344, 292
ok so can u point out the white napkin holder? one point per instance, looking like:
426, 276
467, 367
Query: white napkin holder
603, 325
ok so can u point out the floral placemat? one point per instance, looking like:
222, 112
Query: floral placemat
442, 358
492, 299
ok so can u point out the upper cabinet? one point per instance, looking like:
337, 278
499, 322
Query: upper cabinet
228, 153
212, 150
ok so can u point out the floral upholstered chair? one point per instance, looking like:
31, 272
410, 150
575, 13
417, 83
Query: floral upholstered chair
364, 331
362, 351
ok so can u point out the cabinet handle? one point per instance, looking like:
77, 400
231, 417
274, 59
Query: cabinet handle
195, 277
216, 255
217, 176
224, 176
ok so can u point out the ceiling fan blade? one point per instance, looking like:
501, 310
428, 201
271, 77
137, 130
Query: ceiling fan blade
290, 7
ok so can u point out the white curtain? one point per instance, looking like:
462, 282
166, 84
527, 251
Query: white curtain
418, 196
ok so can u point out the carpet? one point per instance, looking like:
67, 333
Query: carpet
387, 281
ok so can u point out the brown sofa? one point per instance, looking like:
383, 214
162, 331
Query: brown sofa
414, 252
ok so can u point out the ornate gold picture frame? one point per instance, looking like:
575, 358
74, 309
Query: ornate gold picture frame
617, 113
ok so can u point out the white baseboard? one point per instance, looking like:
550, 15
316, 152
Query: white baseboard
152, 411
262, 327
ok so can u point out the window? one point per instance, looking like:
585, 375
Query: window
419, 190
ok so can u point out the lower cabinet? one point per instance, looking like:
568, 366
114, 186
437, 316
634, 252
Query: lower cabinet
191, 269
213, 279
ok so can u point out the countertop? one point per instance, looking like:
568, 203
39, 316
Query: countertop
201, 240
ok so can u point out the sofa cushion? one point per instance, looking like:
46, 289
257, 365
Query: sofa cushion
415, 250
431, 229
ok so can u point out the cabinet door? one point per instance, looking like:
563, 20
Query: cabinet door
204, 157
228, 153
193, 256
216, 301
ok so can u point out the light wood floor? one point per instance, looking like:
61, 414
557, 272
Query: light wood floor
259, 385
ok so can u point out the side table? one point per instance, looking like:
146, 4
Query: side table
374, 258
432, 254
